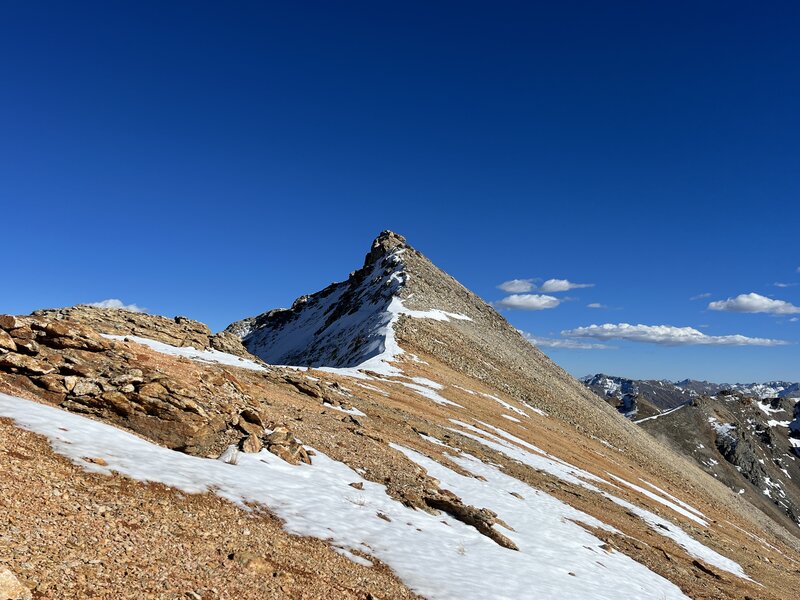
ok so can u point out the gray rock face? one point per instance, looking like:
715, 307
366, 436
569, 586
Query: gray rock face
340, 326
738, 450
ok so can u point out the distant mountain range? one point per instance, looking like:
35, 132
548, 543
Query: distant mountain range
633, 397
746, 435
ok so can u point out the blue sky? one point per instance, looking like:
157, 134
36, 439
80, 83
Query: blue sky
217, 161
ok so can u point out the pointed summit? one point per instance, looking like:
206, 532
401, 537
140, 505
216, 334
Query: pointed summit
386, 243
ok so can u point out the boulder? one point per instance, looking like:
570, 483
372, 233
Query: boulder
227, 342
9, 322
6, 342
281, 435
61, 334
251, 416
11, 588
27, 347
24, 364
85, 387
251, 444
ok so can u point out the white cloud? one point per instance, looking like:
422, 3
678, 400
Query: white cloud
115, 303
783, 285
701, 296
755, 303
517, 286
562, 285
529, 302
794, 320
596, 305
667, 335
568, 344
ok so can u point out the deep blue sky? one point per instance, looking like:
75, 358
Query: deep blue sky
217, 160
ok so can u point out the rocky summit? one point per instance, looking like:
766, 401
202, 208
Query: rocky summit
390, 436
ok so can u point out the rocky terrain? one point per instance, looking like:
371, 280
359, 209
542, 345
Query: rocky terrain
413, 444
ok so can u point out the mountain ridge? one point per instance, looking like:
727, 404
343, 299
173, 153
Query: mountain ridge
446, 466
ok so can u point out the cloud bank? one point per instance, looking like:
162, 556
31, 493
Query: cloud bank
568, 344
666, 335
755, 303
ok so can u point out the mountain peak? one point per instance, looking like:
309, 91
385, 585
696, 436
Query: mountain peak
400, 306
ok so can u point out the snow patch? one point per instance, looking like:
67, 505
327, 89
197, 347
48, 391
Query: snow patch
540, 460
350, 411
557, 557
435, 555
689, 514
666, 412
207, 356
506, 405
428, 393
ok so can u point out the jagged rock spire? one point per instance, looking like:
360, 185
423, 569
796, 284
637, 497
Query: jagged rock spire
386, 243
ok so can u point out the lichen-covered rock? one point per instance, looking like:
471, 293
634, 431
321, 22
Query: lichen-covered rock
9, 322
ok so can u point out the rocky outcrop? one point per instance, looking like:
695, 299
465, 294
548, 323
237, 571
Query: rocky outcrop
736, 447
282, 443
68, 363
180, 331
279, 440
